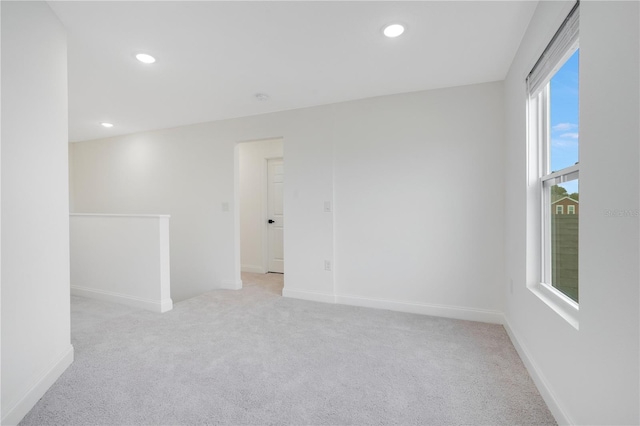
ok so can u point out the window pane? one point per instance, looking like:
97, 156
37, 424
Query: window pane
563, 115
564, 237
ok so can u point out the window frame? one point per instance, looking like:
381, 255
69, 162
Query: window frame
541, 179
547, 180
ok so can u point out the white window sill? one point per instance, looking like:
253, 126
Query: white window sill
561, 304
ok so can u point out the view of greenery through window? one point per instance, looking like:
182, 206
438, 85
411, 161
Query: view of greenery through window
565, 197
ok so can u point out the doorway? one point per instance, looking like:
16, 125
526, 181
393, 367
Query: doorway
260, 166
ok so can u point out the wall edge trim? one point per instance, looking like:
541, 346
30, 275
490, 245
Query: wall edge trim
308, 295
38, 388
554, 405
159, 306
445, 311
455, 312
231, 285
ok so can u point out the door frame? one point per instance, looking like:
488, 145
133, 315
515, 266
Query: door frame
264, 207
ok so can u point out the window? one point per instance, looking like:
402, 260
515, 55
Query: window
554, 133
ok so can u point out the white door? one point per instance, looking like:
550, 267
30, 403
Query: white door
275, 215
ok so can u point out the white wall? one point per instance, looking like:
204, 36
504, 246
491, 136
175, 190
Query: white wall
419, 202
36, 345
417, 184
590, 375
188, 172
122, 259
252, 158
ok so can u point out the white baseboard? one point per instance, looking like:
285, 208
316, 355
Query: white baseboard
253, 268
455, 312
166, 305
538, 378
133, 301
469, 314
308, 295
43, 381
231, 285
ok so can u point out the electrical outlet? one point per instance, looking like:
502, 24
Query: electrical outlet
225, 207
327, 265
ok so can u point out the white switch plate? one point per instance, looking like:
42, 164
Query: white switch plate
327, 206
225, 207
327, 265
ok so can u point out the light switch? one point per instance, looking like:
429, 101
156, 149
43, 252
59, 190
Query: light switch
327, 206
225, 207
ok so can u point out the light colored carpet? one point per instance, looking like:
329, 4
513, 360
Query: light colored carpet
253, 357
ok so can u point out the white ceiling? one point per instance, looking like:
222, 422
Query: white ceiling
213, 57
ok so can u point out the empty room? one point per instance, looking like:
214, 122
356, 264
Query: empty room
461, 188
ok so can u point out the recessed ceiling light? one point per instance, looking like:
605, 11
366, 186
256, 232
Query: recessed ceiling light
145, 59
262, 97
393, 30
106, 125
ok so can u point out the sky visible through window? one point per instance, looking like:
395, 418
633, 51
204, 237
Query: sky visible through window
564, 118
